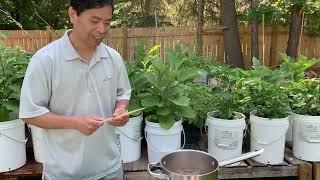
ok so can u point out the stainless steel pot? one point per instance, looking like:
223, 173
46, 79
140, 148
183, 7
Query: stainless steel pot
192, 165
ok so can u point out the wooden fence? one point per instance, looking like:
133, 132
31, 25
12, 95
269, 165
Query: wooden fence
124, 40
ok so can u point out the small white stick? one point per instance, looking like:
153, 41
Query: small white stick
131, 112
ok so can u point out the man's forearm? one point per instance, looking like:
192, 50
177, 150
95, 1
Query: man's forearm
52, 121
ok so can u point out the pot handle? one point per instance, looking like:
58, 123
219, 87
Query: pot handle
241, 157
154, 166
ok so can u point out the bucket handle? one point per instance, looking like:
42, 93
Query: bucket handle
153, 147
33, 137
246, 130
266, 143
153, 166
311, 140
130, 137
17, 140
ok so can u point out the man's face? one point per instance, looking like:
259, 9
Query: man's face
92, 25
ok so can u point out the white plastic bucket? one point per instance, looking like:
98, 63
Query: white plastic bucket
225, 137
306, 137
39, 149
268, 134
12, 145
162, 141
129, 137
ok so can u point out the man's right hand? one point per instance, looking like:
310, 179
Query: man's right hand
88, 124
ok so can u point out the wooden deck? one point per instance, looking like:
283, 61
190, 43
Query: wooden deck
247, 169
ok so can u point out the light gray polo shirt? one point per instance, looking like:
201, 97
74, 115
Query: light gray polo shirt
57, 80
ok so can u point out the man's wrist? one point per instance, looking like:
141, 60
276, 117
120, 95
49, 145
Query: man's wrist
124, 106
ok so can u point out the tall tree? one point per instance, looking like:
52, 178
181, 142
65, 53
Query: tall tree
254, 32
231, 39
200, 23
295, 30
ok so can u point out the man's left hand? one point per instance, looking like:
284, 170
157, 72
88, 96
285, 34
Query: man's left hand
120, 117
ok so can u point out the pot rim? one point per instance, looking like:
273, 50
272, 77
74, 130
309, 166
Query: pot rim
190, 150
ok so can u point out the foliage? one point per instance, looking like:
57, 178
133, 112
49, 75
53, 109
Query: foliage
265, 87
166, 99
268, 100
278, 12
136, 69
136, 13
294, 68
35, 14
201, 101
13, 64
228, 95
268, 88
305, 97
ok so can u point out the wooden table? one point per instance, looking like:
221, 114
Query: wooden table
247, 169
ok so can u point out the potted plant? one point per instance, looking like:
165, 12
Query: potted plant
167, 102
129, 136
13, 64
305, 105
269, 106
225, 124
294, 70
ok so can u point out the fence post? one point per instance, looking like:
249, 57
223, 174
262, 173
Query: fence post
125, 43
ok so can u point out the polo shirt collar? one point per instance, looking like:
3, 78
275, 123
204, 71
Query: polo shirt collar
70, 52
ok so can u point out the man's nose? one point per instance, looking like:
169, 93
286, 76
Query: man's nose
102, 28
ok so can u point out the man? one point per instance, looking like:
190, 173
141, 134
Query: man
71, 86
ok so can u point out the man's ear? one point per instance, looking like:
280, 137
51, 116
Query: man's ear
72, 14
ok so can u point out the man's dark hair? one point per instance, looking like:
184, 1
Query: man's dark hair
81, 5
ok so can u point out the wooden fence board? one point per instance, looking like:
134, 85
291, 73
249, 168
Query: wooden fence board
124, 40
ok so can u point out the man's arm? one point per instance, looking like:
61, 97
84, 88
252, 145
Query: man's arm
85, 124
122, 103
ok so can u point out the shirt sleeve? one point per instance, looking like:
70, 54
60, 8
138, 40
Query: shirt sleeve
124, 88
36, 88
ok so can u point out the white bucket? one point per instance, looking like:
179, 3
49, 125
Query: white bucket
12, 145
37, 143
129, 137
225, 137
162, 141
268, 134
306, 137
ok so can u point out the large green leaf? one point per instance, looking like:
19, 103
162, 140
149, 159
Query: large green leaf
174, 91
187, 74
163, 111
167, 121
149, 101
180, 100
187, 112
133, 105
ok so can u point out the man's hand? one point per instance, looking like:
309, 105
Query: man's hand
88, 124
119, 117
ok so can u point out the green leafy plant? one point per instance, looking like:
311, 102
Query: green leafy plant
268, 100
305, 97
136, 69
201, 101
294, 69
166, 99
267, 89
13, 64
228, 96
